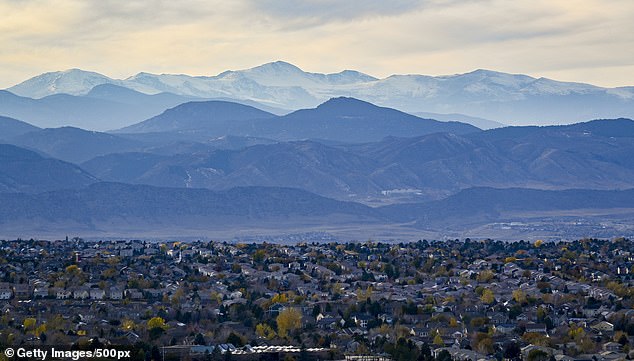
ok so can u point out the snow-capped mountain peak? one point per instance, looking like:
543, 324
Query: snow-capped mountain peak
71, 81
498, 96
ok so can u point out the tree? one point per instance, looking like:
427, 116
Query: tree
438, 341
40, 330
621, 337
156, 322
453, 322
156, 354
279, 298
156, 327
576, 333
127, 325
200, 339
265, 331
537, 355
483, 343
487, 296
519, 296
512, 350
443, 355
289, 319
29, 324
259, 256
425, 353
485, 276
235, 339
73, 269
536, 339
364, 295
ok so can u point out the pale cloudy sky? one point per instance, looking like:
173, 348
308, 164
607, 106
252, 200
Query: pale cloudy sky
574, 40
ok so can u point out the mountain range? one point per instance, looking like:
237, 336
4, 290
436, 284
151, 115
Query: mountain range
482, 94
345, 149
586, 155
24, 171
121, 210
198, 166
338, 119
206, 122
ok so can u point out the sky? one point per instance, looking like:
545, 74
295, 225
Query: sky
572, 40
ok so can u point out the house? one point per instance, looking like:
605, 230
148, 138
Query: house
536, 328
275, 309
115, 293
327, 323
40, 292
526, 350
206, 297
386, 318
62, 294
126, 252
81, 293
22, 291
611, 356
7, 308
498, 318
522, 317
362, 320
153, 293
134, 294
131, 337
6, 293
460, 354
150, 251
505, 328
420, 332
603, 326
97, 294
612, 346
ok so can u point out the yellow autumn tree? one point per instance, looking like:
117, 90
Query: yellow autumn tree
363, 295
127, 325
487, 296
156, 322
438, 340
40, 329
29, 324
288, 320
485, 276
265, 331
453, 322
576, 333
519, 296
279, 298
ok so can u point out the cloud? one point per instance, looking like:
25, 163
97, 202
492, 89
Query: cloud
309, 13
582, 40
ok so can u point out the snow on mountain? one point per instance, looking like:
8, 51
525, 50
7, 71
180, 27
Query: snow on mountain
72, 81
544, 86
281, 73
506, 98
623, 92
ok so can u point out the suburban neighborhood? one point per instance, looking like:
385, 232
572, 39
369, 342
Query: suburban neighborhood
462, 300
